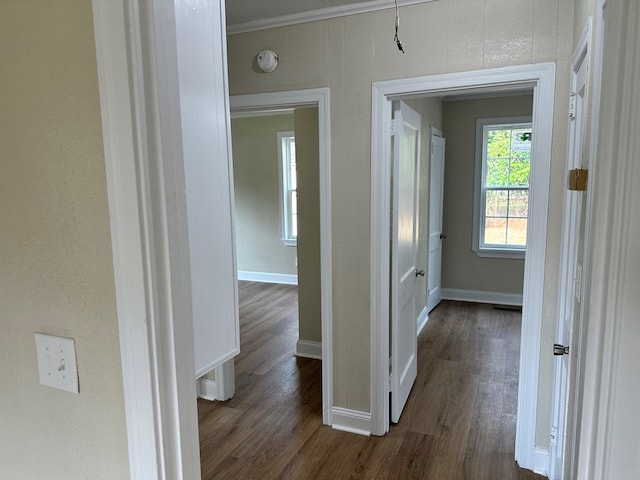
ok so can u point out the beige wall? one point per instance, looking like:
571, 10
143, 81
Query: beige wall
461, 267
257, 195
430, 110
307, 159
347, 54
55, 254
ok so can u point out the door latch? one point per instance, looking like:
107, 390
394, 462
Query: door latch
419, 273
559, 350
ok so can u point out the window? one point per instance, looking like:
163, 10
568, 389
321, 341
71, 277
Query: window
503, 162
288, 190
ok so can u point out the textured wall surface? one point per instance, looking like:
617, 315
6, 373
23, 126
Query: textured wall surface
56, 273
347, 54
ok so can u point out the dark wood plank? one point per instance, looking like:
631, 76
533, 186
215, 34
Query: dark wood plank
459, 422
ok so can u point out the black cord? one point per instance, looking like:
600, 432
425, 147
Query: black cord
395, 37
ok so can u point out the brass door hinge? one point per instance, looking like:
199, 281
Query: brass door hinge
578, 179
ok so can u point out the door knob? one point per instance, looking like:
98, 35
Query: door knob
443, 236
419, 272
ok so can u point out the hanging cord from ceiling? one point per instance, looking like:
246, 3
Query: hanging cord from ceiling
395, 37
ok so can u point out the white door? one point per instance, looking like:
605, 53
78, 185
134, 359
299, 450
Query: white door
563, 428
436, 190
406, 155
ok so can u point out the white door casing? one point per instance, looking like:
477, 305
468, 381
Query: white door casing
436, 235
320, 98
406, 158
542, 78
569, 330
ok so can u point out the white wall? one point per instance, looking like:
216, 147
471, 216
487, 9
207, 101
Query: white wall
56, 273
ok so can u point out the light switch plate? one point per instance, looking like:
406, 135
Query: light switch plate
57, 365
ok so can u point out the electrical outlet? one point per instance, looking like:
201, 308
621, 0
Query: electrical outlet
57, 362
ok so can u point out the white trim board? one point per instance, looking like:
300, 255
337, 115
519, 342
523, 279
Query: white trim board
307, 349
542, 78
423, 318
541, 461
318, 97
264, 277
353, 421
319, 14
480, 296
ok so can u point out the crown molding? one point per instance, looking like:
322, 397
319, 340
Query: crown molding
320, 14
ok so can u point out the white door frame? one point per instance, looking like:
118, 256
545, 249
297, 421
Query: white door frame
567, 280
137, 53
319, 98
542, 78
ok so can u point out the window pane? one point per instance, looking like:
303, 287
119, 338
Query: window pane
294, 215
293, 178
517, 231
496, 203
495, 231
519, 172
518, 203
497, 172
498, 143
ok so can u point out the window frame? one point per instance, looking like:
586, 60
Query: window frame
284, 159
506, 251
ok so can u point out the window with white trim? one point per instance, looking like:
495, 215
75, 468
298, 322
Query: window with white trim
289, 186
503, 164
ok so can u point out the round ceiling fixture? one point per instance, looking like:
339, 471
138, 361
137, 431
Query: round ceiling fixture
267, 60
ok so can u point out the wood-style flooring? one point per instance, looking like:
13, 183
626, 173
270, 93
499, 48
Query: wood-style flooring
458, 424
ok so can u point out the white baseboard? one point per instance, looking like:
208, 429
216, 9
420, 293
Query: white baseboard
480, 296
308, 349
207, 389
268, 277
423, 318
353, 421
541, 461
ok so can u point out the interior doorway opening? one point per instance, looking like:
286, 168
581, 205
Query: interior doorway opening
264, 203
539, 78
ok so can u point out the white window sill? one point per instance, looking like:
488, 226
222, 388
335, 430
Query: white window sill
290, 243
499, 253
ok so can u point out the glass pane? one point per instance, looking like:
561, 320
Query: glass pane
517, 231
498, 143
497, 174
294, 215
521, 140
518, 203
519, 172
293, 178
495, 231
496, 203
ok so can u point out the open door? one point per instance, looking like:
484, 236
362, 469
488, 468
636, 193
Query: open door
406, 157
568, 332
436, 191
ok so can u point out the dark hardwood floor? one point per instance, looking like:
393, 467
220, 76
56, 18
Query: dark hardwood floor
459, 422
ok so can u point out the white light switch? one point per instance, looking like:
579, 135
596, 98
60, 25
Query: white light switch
57, 362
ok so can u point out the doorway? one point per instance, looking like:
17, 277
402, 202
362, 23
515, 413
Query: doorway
540, 78
246, 105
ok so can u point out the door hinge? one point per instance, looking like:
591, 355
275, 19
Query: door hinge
578, 179
560, 350
572, 105
394, 126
